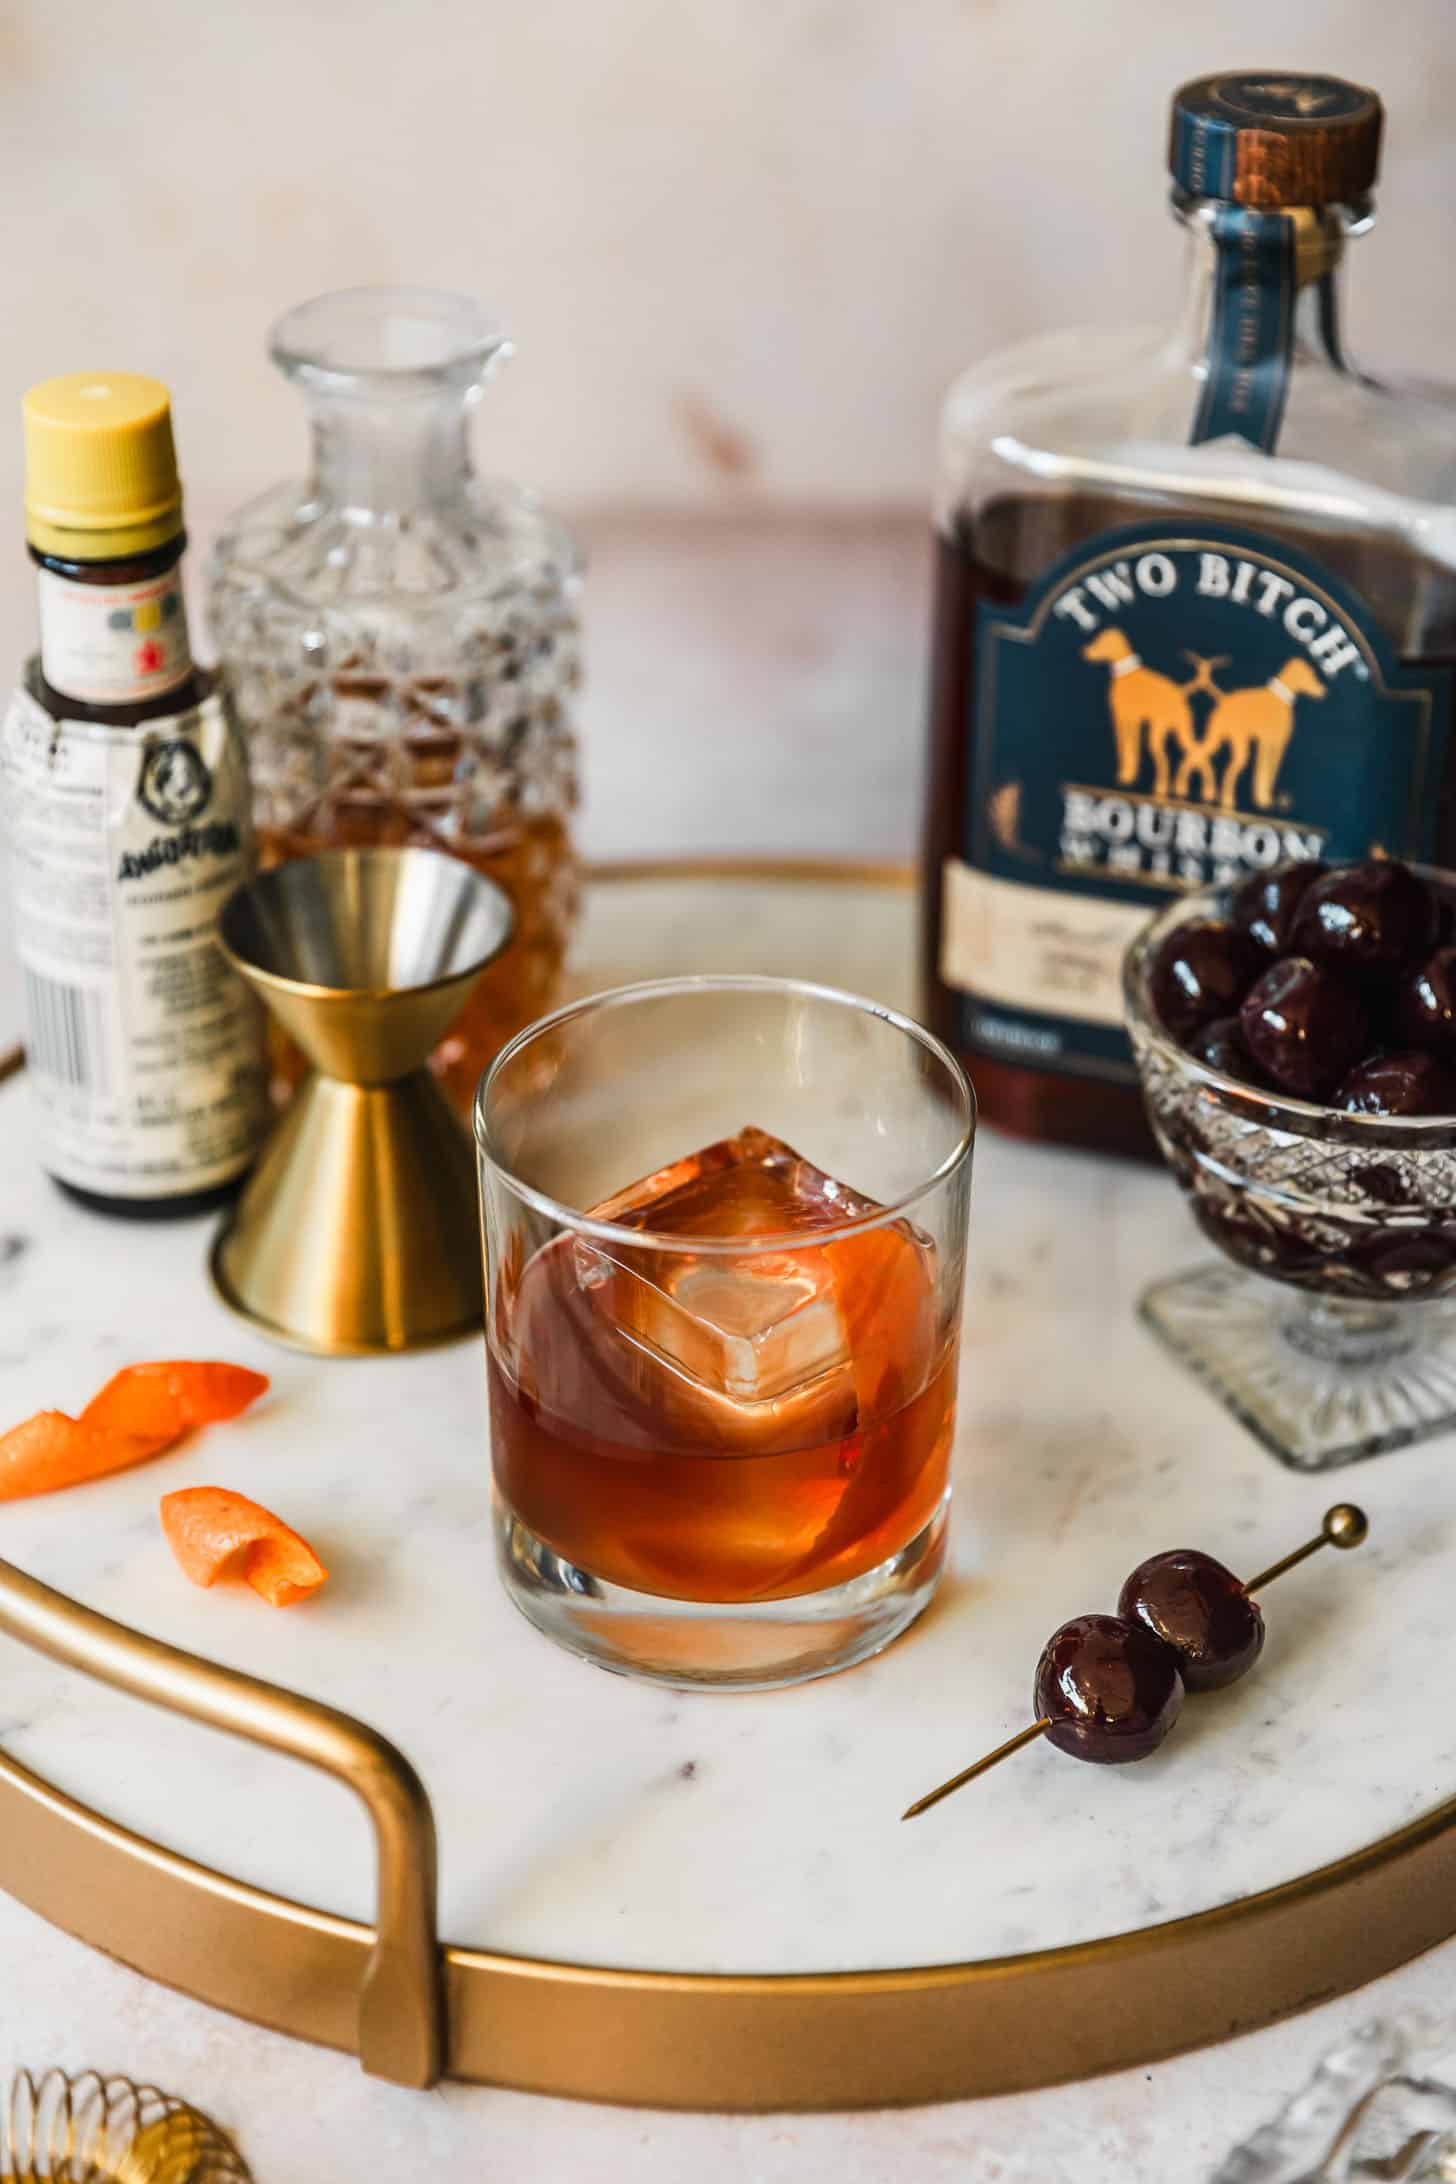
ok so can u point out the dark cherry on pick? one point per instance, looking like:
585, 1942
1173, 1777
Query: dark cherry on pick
1109, 1688
1412, 1083
1426, 1008
1201, 1610
1304, 1025
1366, 918
1202, 970
1263, 906
1221, 1046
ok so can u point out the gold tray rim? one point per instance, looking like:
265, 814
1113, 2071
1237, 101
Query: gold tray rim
746, 2041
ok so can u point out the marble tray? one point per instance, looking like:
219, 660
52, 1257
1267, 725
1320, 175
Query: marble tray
710, 1900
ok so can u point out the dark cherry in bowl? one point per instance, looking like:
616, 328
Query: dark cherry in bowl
1264, 905
1426, 1005
1366, 919
1202, 971
1408, 1083
1220, 1045
1305, 1026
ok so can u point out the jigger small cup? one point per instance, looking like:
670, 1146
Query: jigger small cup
357, 1231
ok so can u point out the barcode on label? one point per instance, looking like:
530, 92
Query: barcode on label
66, 1038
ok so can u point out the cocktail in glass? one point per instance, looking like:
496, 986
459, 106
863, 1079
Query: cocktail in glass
725, 1228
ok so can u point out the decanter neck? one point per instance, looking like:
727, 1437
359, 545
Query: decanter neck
384, 455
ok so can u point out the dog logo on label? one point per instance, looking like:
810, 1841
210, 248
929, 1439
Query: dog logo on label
1248, 729
175, 784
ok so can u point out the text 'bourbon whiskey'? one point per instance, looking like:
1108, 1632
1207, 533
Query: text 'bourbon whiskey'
1195, 613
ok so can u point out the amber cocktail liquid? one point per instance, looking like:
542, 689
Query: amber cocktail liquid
722, 1397
724, 1427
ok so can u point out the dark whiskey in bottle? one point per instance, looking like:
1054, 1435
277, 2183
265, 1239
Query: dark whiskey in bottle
1195, 611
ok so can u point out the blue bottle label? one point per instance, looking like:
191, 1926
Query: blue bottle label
1251, 332
1171, 706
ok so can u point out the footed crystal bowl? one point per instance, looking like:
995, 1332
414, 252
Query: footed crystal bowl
1331, 1330
1380, 2109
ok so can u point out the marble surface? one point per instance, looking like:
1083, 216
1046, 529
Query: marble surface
1054, 1439
590, 1818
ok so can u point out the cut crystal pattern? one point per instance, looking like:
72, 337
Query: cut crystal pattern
1356, 1212
1313, 1411
1381, 2105
402, 640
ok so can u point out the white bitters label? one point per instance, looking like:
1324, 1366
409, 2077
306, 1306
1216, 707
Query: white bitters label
145, 1047
113, 644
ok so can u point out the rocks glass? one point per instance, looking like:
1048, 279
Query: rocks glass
725, 1228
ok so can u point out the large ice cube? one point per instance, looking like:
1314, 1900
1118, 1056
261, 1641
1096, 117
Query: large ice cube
778, 1346
726, 1423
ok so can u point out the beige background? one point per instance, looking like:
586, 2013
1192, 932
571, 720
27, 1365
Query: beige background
756, 232
743, 245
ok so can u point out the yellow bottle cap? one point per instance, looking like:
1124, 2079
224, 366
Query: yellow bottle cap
100, 467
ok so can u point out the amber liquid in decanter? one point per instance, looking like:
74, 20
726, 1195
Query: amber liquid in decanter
529, 854
401, 640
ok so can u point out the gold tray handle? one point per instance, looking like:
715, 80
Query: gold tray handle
401, 2000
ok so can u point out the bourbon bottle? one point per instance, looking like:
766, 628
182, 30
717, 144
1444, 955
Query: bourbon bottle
1195, 610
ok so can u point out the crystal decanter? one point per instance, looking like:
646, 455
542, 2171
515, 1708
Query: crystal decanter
401, 638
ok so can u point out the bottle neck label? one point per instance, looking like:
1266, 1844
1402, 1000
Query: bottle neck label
1251, 328
113, 644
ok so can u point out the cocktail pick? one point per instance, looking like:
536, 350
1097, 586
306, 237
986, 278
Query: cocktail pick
1109, 1687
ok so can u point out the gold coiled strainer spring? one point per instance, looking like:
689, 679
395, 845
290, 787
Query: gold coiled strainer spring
94, 2130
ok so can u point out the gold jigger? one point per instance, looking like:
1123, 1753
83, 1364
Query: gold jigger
358, 1230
